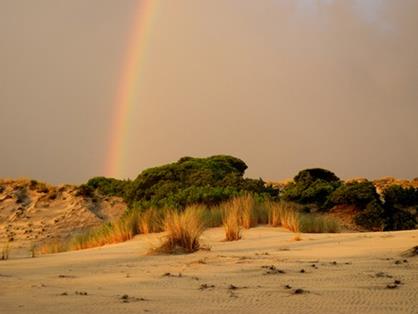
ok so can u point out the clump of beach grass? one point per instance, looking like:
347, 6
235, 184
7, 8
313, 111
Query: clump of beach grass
246, 204
310, 223
150, 221
119, 231
183, 231
284, 214
231, 220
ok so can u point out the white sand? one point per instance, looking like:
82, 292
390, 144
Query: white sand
365, 264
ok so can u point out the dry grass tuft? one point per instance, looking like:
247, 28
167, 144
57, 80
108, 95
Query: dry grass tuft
310, 223
150, 221
284, 214
246, 204
183, 231
231, 219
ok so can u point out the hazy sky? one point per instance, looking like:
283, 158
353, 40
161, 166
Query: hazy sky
284, 85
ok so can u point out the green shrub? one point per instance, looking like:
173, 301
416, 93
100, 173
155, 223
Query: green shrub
358, 194
208, 181
372, 217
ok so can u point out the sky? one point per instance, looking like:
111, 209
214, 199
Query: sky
282, 84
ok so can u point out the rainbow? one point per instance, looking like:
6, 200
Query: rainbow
127, 92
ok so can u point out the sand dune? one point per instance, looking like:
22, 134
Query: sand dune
36, 213
335, 273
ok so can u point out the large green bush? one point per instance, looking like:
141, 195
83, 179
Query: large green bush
194, 180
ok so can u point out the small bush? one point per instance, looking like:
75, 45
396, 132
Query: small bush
183, 231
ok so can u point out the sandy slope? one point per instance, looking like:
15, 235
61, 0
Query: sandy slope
47, 213
356, 283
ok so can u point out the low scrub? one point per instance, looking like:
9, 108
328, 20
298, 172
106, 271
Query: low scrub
183, 231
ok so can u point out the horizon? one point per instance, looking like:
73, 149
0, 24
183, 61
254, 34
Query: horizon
282, 85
